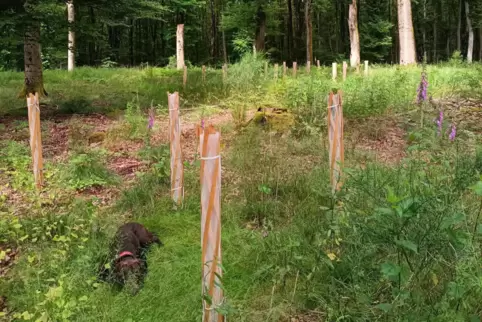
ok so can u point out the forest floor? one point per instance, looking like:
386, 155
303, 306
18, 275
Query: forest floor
292, 250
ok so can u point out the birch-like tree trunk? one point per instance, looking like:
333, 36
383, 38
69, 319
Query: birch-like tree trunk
309, 32
405, 31
71, 43
354, 35
470, 50
180, 46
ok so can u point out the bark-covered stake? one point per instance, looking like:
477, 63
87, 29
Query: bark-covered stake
294, 68
212, 291
177, 170
335, 136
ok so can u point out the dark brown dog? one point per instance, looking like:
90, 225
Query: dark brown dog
128, 264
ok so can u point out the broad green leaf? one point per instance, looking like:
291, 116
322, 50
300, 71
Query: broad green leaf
390, 269
477, 188
407, 244
385, 307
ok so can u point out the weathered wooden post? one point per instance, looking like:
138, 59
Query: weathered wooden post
318, 64
275, 72
180, 46
345, 68
284, 69
184, 77
212, 291
266, 69
366, 67
308, 67
294, 68
33, 106
334, 71
335, 136
177, 169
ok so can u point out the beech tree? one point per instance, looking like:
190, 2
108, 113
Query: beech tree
405, 32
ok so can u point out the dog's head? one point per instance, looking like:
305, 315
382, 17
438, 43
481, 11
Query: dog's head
128, 272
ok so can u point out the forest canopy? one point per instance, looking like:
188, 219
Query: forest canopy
134, 32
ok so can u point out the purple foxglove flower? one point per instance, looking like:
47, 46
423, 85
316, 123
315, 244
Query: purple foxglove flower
453, 132
202, 123
439, 122
150, 123
422, 89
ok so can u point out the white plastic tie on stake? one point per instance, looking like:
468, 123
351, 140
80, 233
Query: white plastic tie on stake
210, 158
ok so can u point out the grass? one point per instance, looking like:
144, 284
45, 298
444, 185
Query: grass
399, 242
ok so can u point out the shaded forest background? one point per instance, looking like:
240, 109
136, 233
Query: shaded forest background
135, 32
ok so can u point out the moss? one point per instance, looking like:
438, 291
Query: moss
96, 137
36, 88
278, 120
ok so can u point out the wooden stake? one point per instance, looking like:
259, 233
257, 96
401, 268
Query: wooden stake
180, 46
204, 73
308, 67
366, 67
212, 291
284, 69
334, 71
266, 69
33, 106
335, 136
318, 63
294, 69
345, 68
177, 169
275, 72
184, 77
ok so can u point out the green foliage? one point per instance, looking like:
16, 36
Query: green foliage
15, 161
87, 169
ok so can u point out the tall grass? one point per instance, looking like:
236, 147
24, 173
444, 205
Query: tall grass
98, 90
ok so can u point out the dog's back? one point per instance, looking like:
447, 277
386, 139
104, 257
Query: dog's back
130, 244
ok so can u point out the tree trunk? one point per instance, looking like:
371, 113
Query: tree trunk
424, 31
131, 42
480, 43
470, 50
71, 44
213, 29
309, 32
291, 35
225, 50
260, 29
434, 56
354, 35
180, 46
32, 61
405, 31
459, 28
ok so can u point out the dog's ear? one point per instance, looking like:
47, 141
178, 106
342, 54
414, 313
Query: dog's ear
156, 240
